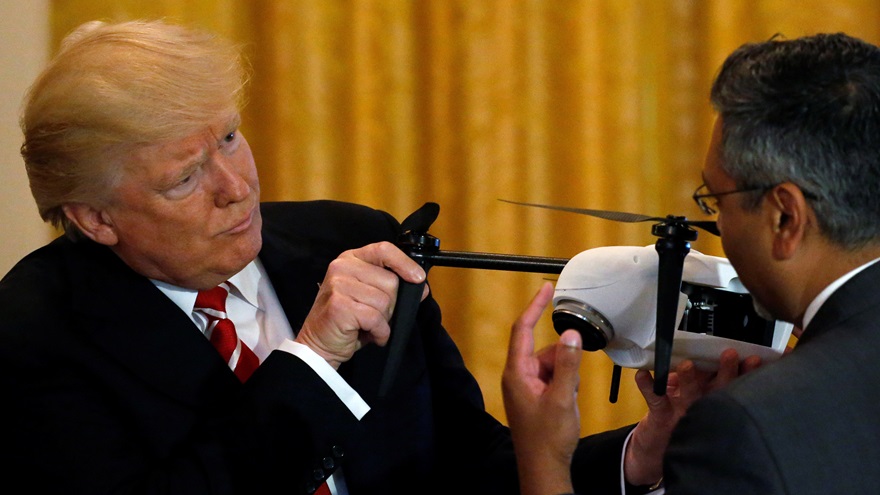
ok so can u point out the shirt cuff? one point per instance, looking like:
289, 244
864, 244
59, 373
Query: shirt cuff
626, 488
337, 384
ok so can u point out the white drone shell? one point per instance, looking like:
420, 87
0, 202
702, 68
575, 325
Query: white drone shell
620, 284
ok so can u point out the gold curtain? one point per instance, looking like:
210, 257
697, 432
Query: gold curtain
585, 103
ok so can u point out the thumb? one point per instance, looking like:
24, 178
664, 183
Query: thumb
566, 374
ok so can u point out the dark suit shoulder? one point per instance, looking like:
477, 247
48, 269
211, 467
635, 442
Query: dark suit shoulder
56, 285
324, 221
36, 281
805, 422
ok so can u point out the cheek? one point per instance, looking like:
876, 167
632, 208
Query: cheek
167, 224
719, 222
247, 164
729, 241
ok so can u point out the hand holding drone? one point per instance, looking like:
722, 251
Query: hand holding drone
628, 301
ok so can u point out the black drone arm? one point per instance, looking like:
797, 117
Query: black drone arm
425, 250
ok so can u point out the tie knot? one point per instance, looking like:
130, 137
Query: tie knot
213, 298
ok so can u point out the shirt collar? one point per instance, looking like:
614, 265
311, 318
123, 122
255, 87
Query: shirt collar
244, 285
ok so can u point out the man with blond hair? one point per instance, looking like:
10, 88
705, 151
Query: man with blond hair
184, 337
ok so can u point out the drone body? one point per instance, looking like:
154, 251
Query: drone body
610, 295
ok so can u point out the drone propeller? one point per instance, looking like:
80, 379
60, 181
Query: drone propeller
675, 234
620, 216
420, 220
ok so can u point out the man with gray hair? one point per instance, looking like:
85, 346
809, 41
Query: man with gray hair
792, 172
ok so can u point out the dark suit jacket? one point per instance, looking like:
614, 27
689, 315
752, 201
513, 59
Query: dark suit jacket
110, 388
809, 423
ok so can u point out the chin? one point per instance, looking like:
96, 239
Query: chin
250, 248
235, 253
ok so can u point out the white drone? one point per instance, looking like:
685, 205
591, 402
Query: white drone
610, 295
631, 302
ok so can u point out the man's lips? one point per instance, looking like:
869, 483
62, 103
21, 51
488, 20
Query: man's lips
242, 224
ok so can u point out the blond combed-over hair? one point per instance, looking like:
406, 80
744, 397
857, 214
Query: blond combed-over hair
112, 88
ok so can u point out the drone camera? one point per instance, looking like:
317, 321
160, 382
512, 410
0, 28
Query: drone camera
596, 331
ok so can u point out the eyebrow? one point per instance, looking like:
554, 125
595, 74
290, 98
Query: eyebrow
194, 163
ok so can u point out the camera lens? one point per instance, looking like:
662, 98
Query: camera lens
596, 331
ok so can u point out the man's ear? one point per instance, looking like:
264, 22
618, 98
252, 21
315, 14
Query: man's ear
790, 215
93, 223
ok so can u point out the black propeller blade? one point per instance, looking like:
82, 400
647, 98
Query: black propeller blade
421, 220
620, 216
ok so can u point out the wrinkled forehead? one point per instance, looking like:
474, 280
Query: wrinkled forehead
188, 148
208, 133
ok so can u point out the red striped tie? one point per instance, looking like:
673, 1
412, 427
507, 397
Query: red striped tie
221, 332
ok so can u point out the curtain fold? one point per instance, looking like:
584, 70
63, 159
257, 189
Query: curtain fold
597, 104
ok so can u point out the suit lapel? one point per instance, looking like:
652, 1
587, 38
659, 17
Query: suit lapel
158, 342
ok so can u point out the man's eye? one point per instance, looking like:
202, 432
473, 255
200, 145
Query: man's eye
184, 186
230, 137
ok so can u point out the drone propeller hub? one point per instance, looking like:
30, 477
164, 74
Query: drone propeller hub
674, 228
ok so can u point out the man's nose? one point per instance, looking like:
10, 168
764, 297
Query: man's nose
230, 182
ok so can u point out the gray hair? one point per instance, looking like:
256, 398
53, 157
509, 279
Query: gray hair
807, 111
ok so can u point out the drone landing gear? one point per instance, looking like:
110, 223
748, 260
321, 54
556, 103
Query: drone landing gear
672, 247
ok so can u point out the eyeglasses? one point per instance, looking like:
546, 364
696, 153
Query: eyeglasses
710, 209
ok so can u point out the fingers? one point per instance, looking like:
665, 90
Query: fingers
387, 255
369, 276
371, 271
728, 367
356, 300
750, 363
522, 340
689, 380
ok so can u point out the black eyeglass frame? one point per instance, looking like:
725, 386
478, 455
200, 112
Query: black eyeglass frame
708, 210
